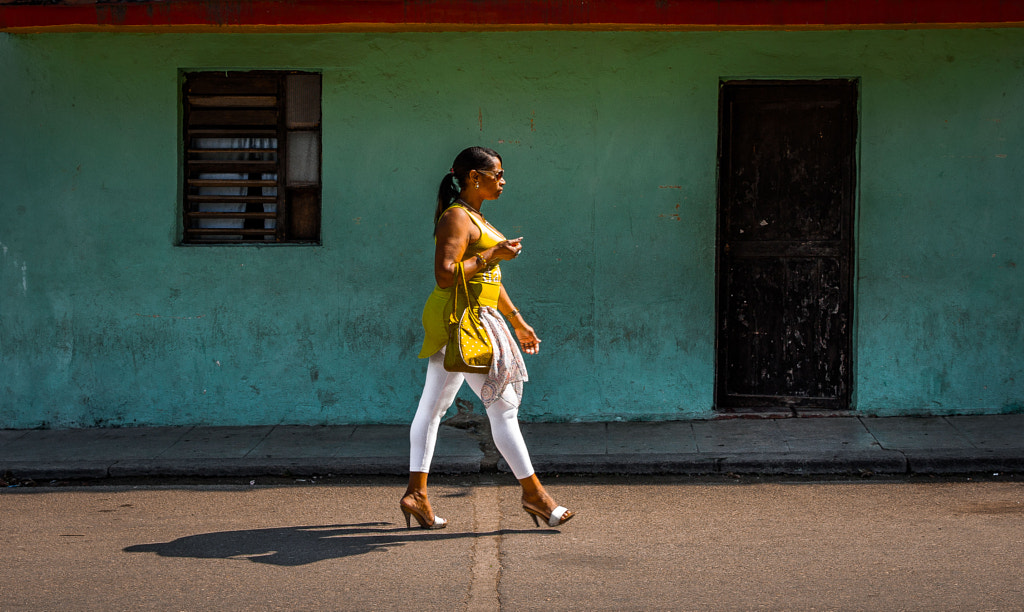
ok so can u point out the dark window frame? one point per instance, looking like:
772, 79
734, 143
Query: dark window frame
251, 157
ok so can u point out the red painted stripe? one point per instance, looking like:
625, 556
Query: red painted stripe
510, 14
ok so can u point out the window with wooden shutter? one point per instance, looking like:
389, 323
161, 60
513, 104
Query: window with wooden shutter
251, 157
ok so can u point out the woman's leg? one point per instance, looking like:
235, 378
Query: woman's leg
508, 438
439, 392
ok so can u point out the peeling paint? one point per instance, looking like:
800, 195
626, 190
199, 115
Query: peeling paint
19, 266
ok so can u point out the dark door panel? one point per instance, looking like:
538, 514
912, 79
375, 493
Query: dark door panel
785, 247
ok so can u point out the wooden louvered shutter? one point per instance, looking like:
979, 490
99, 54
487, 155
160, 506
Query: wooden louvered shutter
242, 184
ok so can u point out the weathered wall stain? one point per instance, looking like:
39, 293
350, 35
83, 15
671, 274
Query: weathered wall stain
18, 267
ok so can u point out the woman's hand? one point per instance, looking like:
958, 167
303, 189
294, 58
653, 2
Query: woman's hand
528, 339
507, 249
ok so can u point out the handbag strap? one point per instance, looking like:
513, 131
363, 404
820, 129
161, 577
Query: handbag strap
460, 281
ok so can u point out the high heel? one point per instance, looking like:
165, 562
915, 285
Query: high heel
439, 523
556, 518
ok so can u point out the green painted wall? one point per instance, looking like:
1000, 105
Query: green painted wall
609, 142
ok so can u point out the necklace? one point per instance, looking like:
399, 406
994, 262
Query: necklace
466, 205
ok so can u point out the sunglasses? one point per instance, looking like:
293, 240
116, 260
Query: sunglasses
496, 175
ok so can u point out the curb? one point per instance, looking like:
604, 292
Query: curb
778, 463
769, 463
956, 462
231, 468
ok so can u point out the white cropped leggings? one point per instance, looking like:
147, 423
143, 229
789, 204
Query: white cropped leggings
438, 394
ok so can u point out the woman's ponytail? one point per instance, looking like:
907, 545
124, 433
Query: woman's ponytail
447, 193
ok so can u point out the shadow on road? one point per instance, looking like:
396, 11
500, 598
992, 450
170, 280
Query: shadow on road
292, 546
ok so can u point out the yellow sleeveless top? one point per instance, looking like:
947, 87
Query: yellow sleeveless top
486, 286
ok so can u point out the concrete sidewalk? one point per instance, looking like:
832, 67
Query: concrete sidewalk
814, 446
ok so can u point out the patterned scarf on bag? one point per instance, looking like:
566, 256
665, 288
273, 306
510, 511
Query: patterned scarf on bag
507, 366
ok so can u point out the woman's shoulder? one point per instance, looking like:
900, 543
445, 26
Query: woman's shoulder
455, 211
455, 218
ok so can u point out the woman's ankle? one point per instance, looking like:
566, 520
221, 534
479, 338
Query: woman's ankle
417, 484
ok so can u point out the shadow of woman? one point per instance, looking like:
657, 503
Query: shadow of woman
292, 546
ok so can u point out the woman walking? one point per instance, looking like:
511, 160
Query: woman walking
463, 236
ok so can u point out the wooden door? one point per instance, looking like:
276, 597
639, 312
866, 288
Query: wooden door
785, 244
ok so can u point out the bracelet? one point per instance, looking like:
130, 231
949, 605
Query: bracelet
481, 260
512, 314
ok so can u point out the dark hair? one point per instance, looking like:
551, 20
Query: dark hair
473, 158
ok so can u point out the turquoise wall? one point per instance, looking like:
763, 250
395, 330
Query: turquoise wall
609, 142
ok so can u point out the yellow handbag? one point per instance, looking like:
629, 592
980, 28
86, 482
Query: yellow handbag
469, 346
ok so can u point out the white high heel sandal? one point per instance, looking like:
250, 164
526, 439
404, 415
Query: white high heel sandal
439, 523
554, 519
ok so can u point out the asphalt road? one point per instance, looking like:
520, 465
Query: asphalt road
643, 543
